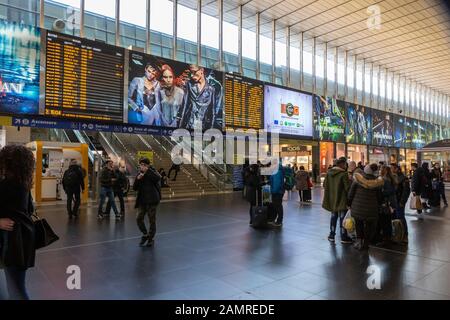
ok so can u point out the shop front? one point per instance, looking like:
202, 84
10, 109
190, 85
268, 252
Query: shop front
383, 154
297, 155
406, 158
357, 153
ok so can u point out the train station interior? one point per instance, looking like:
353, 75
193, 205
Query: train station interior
320, 85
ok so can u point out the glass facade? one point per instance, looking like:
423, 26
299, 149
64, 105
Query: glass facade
66, 16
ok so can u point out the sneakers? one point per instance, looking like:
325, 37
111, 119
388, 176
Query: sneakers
277, 224
100, 216
119, 217
331, 238
150, 243
143, 240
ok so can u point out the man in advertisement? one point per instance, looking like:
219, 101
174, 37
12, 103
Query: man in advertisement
202, 103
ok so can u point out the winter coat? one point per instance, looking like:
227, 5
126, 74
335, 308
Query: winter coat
403, 190
277, 181
421, 183
79, 181
253, 187
301, 179
106, 177
148, 188
17, 247
365, 196
336, 186
390, 192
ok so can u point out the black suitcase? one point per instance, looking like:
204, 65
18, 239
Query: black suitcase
260, 216
307, 195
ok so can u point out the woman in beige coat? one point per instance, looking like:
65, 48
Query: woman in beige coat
301, 183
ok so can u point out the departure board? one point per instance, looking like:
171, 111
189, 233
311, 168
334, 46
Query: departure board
84, 79
243, 102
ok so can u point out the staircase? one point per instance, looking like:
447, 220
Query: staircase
189, 182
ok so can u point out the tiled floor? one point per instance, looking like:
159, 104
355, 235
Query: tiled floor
205, 250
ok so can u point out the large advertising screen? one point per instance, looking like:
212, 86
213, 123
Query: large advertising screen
419, 137
399, 131
329, 119
358, 124
19, 68
382, 129
167, 93
408, 133
287, 111
243, 102
84, 79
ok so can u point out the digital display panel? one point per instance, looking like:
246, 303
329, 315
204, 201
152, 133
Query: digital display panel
172, 94
419, 137
408, 133
399, 131
382, 129
358, 124
243, 102
84, 79
287, 111
329, 119
19, 68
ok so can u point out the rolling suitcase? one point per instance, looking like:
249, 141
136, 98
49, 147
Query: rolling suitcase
307, 195
260, 213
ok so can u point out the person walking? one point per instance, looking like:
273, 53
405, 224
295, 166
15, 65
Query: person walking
148, 187
289, 178
315, 172
277, 190
421, 185
336, 187
107, 180
253, 188
403, 191
17, 233
176, 168
119, 185
73, 185
301, 183
364, 200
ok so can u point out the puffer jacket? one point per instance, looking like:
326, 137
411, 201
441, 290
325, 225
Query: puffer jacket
365, 196
301, 180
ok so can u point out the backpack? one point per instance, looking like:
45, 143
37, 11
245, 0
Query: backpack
70, 178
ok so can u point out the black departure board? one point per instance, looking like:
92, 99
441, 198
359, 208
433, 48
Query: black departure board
243, 102
84, 79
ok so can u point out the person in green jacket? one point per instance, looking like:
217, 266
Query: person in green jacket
336, 186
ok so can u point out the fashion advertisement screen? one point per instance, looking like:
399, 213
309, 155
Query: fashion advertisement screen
329, 119
408, 133
288, 112
358, 124
19, 68
382, 129
399, 131
167, 93
419, 138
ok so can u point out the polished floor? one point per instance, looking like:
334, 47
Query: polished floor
205, 250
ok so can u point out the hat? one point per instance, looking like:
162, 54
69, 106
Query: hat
368, 169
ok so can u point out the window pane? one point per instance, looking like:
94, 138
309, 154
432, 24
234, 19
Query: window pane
20, 11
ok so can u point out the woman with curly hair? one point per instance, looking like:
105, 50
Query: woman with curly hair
17, 244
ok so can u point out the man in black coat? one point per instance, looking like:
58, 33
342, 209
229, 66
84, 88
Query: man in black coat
148, 187
73, 185
421, 184
119, 186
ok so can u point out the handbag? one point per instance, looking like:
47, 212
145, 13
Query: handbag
310, 184
44, 234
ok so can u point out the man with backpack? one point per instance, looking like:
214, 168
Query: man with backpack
73, 185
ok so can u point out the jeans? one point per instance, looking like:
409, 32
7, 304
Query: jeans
15, 282
70, 197
277, 202
118, 194
333, 223
442, 192
107, 192
150, 211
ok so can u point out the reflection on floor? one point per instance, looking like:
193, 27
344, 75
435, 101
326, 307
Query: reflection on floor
206, 250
